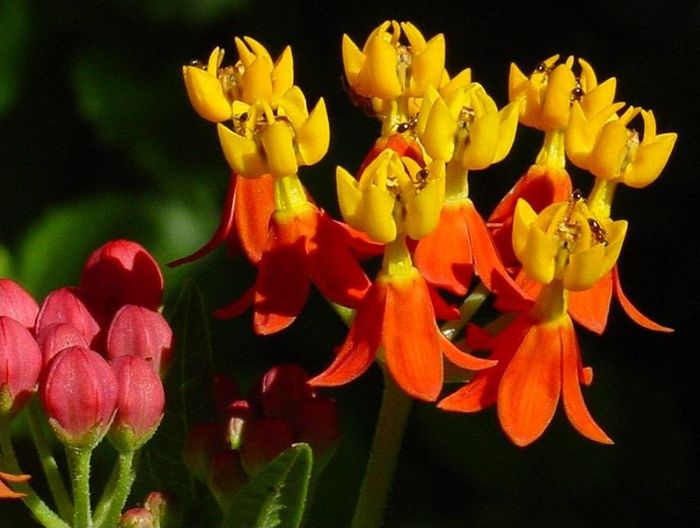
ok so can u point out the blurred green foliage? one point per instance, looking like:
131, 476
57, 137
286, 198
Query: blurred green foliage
97, 141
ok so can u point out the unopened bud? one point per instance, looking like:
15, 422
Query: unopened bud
20, 365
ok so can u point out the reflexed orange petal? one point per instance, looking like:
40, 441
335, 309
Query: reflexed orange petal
444, 257
333, 267
531, 384
360, 347
397, 143
410, 338
223, 231
631, 311
254, 207
574, 405
237, 307
5, 491
443, 310
463, 359
487, 262
590, 307
282, 284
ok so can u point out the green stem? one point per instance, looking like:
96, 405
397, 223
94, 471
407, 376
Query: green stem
393, 415
80, 474
346, 314
108, 511
41, 512
469, 307
48, 462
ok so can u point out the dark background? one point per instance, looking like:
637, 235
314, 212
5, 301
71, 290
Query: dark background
98, 141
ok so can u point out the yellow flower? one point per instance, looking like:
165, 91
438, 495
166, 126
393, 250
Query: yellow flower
386, 68
267, 140
604, 145
566, 242
212, 89
393, 197
549, 91
466, 125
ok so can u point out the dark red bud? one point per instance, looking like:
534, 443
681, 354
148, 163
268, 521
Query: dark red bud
79, 392
54, 338
140, 402
279, 389
138, 331
17, 303
202, 443
225, 392
262, 442
122, 272
164, 507
67, 305
316, 422
226, 475
20, 364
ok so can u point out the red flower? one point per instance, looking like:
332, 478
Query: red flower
538, 362
301, 247
16, 303
244, 221
460, 247
397, 315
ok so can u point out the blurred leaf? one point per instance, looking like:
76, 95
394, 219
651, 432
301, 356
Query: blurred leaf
277, 496
14, 37
5, 262
185, 11
188, 393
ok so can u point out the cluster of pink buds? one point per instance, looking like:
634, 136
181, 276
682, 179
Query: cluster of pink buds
281, 409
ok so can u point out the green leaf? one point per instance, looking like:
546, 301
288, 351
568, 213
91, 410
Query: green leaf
14, 38
188, 393
276, 498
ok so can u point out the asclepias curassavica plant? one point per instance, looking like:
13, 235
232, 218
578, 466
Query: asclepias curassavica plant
99, 360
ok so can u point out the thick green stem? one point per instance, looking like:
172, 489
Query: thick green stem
41, 512
396, 406
108, 511
469, 307
80, 476
48, 462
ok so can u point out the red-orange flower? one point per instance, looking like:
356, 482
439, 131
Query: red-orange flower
539, 362
303, 246
244, 221
397, 315
5, 491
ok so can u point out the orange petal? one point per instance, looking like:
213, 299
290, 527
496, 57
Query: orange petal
333, 267
631, 311
574, 405
237, 307
360, 347
463, 359
5, 491
223, 231
410, 338
443, 309
590, 307
397, 143
444, 257
531, 384
254, 207
282, 284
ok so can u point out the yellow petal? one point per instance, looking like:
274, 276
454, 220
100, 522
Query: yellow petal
277, 140
256, 82
483, 136
616, 235
427, 66
599, 97
557, 99
353, 60
414, 36
506, 130
423, 209
258, 49
538, 257
517, 81
461, 80
440, 128
431, 95
349, 194
242, 154
314, 136
578, 137
607, 154
216, 57
206, 94
649, 160
244, 54
378, 77
283, 73
584, 268
294, 105
375, 216
523, 218
588, 78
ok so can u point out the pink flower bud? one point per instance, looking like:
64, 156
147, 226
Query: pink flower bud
202, 443
122, 272
164, 507
20, 364
55, 337
138, 331
79, 392
262, 442
226, 475
279, 389
137, 518
140, 402
17, 303
67, 305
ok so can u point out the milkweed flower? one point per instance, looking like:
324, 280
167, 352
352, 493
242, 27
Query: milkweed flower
467, 131
393, 199
539, 360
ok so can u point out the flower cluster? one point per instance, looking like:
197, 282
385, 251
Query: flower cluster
547, 252
280, 410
